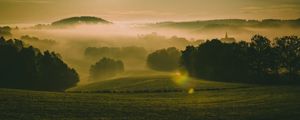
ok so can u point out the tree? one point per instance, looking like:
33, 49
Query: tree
288, 51
106, 68
164, 59
262, 57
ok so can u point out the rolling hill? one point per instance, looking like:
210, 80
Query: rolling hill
80, 20
154, 96
253, 103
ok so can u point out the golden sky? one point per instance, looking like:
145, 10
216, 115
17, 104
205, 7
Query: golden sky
44, 11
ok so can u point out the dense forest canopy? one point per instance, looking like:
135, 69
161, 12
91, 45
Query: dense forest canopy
27, 68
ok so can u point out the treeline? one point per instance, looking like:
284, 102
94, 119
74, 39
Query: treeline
27, 68
260, 60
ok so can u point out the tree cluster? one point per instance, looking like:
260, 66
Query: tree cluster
27, 68
106, 68
260, 60
164, 59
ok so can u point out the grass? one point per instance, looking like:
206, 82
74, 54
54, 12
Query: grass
153, 83
236, 102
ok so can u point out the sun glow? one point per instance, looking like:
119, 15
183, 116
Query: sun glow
183, 80
180, 78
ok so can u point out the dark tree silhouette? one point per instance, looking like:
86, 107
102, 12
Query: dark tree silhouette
106, 68
288, 51
164, 59
27, 68
258, 61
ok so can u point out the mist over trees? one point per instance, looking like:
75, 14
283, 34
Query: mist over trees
44, 44
258, 61
164, 59
179, 42
230, 23
27, 68
5, 31
106, 68
131, 52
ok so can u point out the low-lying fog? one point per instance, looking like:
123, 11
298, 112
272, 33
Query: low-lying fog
72, 42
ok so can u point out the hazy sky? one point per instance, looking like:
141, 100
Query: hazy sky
44, 11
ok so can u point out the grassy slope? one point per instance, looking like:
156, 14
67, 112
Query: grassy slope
153, 83
252, 102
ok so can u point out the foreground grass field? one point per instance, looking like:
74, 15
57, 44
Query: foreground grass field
206, 102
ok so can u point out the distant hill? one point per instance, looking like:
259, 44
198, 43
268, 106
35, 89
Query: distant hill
80, 20
229, 23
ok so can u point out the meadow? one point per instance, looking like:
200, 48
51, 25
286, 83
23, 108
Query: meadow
154, 97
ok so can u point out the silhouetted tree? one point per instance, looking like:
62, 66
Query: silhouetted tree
288, 51
27, 68
106, 68
164, 59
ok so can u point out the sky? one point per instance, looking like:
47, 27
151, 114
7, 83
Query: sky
46, 11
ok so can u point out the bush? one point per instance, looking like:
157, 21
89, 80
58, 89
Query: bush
27, 68
106, 68
164, 59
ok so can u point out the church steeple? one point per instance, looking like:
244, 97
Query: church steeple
228, 39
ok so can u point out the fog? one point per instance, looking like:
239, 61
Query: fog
71, 42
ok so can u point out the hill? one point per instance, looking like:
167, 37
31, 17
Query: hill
229, 23
80, 20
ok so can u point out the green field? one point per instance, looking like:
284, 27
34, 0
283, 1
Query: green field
155, 97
